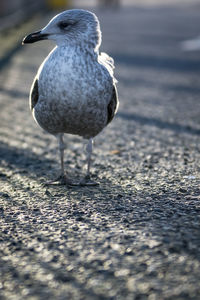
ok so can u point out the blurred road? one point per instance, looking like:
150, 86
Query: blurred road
90, 3
136, 236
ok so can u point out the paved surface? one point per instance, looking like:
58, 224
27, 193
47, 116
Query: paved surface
136, 235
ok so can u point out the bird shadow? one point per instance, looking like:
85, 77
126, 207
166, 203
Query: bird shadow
23, 161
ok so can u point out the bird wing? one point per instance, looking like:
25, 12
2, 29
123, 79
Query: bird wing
113, 105
107, 62
34, 94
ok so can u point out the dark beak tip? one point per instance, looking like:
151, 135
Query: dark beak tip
34, 37
23, 41
27, 39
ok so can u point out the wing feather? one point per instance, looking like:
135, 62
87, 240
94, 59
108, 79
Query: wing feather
113, 105
34, 95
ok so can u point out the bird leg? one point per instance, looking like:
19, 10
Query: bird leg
62, 178
89, 148
87, 181
62, 149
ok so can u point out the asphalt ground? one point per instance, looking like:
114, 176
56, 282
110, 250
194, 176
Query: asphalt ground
137, 234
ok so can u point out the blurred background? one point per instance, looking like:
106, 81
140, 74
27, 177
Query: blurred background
16, 10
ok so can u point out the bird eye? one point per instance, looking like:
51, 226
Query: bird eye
63, 25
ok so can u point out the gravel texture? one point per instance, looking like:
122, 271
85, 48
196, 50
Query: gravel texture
137, 234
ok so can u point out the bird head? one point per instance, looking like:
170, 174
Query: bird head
75, 26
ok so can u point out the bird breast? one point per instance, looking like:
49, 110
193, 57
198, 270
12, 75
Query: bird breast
74, 91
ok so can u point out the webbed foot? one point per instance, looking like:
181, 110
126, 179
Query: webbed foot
60, 180
87, 181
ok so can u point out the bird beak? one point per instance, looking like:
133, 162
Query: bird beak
35, 37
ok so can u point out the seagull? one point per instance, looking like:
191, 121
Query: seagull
74, 90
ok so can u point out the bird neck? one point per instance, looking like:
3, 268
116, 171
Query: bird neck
78, 49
